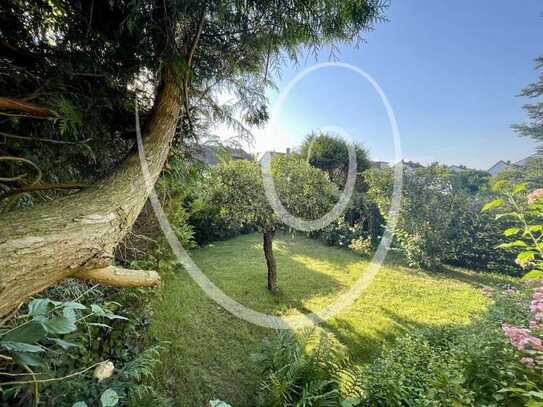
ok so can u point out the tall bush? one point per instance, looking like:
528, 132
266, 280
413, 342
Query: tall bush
425, 215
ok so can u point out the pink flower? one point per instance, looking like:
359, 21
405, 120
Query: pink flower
521, 338
535, 195
536, 306
528, 362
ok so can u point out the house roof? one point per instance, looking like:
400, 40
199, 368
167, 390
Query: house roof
211, 154
505, 165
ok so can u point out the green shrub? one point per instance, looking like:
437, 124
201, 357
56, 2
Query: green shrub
111, 326
415, 372
309, 369
440, 219
425, 214
473, 237
339, 233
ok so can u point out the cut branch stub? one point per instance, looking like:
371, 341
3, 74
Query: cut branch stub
119, 277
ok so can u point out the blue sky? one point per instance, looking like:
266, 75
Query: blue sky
451, 71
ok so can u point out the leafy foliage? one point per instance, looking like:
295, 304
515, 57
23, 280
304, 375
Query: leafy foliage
534, 110
311, 368
339, 233
237, 189
330, 154
87, 62
73, 328
440, 221
425, 215
525, 211
42, 327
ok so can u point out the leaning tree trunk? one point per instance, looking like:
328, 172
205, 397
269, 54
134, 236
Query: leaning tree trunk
76, 235
270, 260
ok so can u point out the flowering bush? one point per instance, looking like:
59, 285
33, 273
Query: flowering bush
361, 246
528, 340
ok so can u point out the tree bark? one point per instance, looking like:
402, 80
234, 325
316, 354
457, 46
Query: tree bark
45, 244
270, 260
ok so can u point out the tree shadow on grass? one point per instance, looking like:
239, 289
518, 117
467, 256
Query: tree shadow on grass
472, 278
365, 348
477, 279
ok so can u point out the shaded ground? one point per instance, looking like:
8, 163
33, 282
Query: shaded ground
209, 349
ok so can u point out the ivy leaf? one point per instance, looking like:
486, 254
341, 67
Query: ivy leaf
62, 343
69, 313
40, 306
80, 404
98, 324
98, 310
21, 347
109, 398
74, 305
102, 312
60, 326
511, 231
495, 203
31, 332
30, 359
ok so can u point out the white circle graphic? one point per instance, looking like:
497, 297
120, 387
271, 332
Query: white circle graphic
345, 299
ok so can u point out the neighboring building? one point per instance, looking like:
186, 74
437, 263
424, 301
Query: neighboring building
410, 167
501, 165
274, 154
211, 155
458, 168
380, 164
525, 161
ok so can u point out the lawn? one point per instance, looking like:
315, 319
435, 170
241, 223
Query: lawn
209, 349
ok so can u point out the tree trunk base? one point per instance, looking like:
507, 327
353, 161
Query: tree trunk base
270, 260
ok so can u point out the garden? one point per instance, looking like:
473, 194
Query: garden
99, 305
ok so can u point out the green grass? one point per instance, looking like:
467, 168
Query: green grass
209, 352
